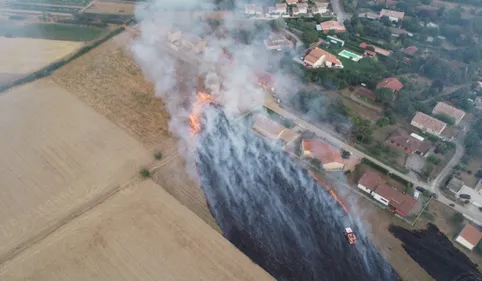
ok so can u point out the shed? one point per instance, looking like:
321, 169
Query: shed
469, 237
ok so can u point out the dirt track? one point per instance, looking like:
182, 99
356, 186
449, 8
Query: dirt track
141, 233
57, 156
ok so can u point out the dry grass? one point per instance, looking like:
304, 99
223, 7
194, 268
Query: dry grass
25, 55
109, 80
141, 233
58, 157
114, 8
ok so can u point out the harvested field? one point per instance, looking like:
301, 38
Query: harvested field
19, 57
141, 233
51, 31
112, 8
58, 157
109, 80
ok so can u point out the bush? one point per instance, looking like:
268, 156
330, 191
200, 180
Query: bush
145, 173
434, 160
457, 219
445, 118
158, 155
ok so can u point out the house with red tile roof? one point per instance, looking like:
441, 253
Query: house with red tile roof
334, 25
391, 83
469, 237
321, 58
330, 156
378, 50
410, 50
373, 184
450, 111
409, 143
428, 124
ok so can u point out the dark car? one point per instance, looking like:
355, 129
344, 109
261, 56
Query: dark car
452, 205
464, 196
419, 188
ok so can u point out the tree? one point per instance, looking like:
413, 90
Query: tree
385, 20
438, 85
384, 95
309, 37
345, 154
371, 48
457, 219
318, 18
445, 118
278, 24
362, 129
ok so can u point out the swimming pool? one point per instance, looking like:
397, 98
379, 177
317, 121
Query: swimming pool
349, 55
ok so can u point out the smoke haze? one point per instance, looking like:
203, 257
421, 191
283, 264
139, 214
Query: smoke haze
255, 192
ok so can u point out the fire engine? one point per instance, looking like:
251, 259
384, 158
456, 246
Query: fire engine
350, 236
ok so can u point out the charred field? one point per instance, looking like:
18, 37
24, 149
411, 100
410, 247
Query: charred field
273, 210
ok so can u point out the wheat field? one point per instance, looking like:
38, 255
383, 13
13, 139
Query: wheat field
141, 233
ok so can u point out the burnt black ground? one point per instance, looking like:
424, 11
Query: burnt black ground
276, 213
435, 253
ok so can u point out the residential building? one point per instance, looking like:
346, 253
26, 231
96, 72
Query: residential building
302, 8
321, 58
174, 35
455, 185
281, 8
432, 25
267, 127
373, 184
369, 15
392, 15
369, 53
397, 32
409, 143
193, 42
250, 9
428, 124
320, 7
277, 41
450, 111
329, 156
295, 11
265, 80
330, 25
391, 83
410, 50
469, 237
378, 50
291, 2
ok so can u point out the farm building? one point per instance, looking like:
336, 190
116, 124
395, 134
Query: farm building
428, 124
450, 111
373, 184
469, 237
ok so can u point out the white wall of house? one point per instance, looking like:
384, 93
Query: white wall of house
380, 199
464, 243
362, 187
320, 62
393, 19
333, 166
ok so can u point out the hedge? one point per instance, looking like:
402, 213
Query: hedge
46, 71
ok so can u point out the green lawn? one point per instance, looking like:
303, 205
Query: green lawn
53, 32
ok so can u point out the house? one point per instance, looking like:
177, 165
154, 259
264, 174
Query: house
397, 32
250, 9
454, 185
302, 8
281, 8
267, 127
277, 41
174, 35
369, 53
432, 25
321, 58
428, 124
469, 237
330, 25
409, 143
291, 2
373, 184
320, 8
450, 111
391, 83
392, 15
264, 80
410, 50
193, 42
329, 156
378, 50
369, 15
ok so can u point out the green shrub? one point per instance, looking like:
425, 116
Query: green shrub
145, 173
158, 155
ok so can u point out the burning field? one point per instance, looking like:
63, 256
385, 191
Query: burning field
275, 212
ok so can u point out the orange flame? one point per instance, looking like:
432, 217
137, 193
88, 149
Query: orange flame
194, 117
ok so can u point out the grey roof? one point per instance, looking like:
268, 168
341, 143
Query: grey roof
455, 185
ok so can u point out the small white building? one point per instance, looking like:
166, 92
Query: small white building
469, 237
392, 15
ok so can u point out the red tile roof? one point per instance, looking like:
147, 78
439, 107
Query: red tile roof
401, 139
410, 50
323, 151
391, 83
429, 122
315, 54
471, 234
332, 25
378, 50
448, 110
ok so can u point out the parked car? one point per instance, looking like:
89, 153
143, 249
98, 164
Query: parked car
464, 196
421, 189
452, 205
